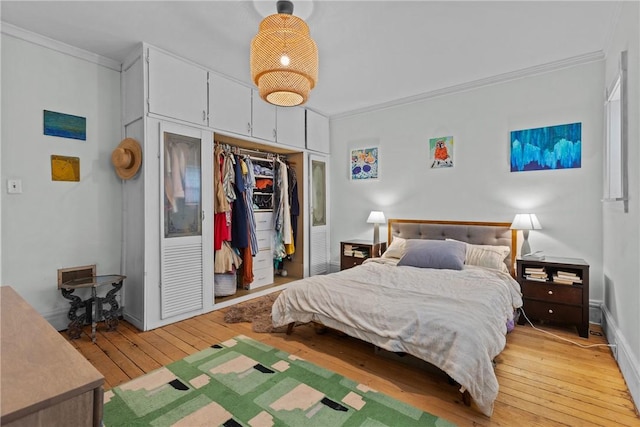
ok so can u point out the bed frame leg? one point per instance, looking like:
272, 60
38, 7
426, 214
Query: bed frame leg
290, 327
466, 398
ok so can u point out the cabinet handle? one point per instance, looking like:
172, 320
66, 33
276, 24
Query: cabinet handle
204, 115
550, 292
248, 127
550, 311
274, 134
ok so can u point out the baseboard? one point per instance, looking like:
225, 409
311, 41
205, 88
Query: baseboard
629, 366
58, 319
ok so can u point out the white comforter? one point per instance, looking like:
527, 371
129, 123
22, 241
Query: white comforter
455, 320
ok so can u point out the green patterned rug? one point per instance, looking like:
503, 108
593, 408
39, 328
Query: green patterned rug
243, 382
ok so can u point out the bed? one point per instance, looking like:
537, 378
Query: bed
442, 292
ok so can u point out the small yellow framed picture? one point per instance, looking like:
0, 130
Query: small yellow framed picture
65, 168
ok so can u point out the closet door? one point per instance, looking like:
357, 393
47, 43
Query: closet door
185, 254
319, 216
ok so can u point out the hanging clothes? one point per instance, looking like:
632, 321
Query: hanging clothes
294, 203
239, 223
249, 186
226, 259
221, 206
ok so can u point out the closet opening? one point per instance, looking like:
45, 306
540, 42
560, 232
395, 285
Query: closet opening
272, 252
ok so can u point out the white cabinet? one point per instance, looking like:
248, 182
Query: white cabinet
168, 248
229, 105
263, 261
177, 89
317, 132
236, 108
264, 119
290, 126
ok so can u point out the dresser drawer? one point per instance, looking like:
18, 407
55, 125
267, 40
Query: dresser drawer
262, 277
264, 238
565, 294
264, 259
264, 220
350, 261
554, 312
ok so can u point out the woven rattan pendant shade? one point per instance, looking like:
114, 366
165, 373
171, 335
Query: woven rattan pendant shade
284, 35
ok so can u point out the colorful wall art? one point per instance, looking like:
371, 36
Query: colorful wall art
552, 147
364, 163
441, 152
65, 125
64, 168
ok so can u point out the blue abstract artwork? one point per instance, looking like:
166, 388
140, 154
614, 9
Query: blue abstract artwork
65, 125
552, 147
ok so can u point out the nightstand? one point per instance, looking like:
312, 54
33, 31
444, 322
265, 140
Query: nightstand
555, 289
354, 252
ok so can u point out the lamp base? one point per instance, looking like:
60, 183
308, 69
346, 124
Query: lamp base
376, 233
525, 249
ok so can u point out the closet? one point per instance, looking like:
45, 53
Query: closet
169, 213
275, 198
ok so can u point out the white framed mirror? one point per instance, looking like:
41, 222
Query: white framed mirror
616, 139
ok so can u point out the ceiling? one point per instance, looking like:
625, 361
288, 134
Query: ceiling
372, 53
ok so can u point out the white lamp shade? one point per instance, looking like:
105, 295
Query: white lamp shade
376, 217
526, 222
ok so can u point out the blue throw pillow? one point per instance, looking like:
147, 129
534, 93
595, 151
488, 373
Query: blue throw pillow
443, 254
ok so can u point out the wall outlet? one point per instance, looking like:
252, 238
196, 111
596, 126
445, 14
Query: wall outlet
14, 186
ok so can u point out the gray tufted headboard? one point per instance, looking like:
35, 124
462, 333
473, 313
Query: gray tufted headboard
478, 233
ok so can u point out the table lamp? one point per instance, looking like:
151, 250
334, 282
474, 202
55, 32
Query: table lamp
376, 218
525, 222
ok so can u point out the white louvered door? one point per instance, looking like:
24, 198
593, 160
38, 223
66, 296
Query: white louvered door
185, 260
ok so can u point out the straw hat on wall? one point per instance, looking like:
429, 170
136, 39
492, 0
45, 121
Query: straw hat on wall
127, 158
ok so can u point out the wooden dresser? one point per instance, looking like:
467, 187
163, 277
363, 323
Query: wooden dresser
45, 381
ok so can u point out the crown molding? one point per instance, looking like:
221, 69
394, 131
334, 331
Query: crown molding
49, 43
475, 84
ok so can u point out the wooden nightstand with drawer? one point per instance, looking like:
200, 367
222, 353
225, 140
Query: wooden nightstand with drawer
354, 252
555, 290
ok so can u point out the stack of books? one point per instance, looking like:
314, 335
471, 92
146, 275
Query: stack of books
535, 273
566, 278
358, 253
355, 251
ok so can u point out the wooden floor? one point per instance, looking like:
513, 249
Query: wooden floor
543, 381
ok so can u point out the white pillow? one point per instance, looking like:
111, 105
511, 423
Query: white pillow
396, 249
488, 256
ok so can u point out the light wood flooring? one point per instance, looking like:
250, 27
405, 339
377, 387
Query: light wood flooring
543, 381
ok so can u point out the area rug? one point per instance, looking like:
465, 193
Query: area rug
243, 382
257, 312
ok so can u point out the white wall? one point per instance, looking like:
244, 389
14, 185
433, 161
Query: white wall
54, 225
621, 231
480, 186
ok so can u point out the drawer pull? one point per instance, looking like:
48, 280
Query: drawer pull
550, 292
550, 311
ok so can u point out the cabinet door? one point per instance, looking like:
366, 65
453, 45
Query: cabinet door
177, 89
185, 258
319, 219
229, 105
263, 118
290, 126
317, 132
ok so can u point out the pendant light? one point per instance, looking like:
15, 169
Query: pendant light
284, 58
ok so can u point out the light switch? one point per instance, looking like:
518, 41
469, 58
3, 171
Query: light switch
14, 186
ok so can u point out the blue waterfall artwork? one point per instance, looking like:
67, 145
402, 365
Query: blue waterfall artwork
65, 125
552, 147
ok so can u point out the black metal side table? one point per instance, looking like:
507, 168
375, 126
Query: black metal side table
94, 311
